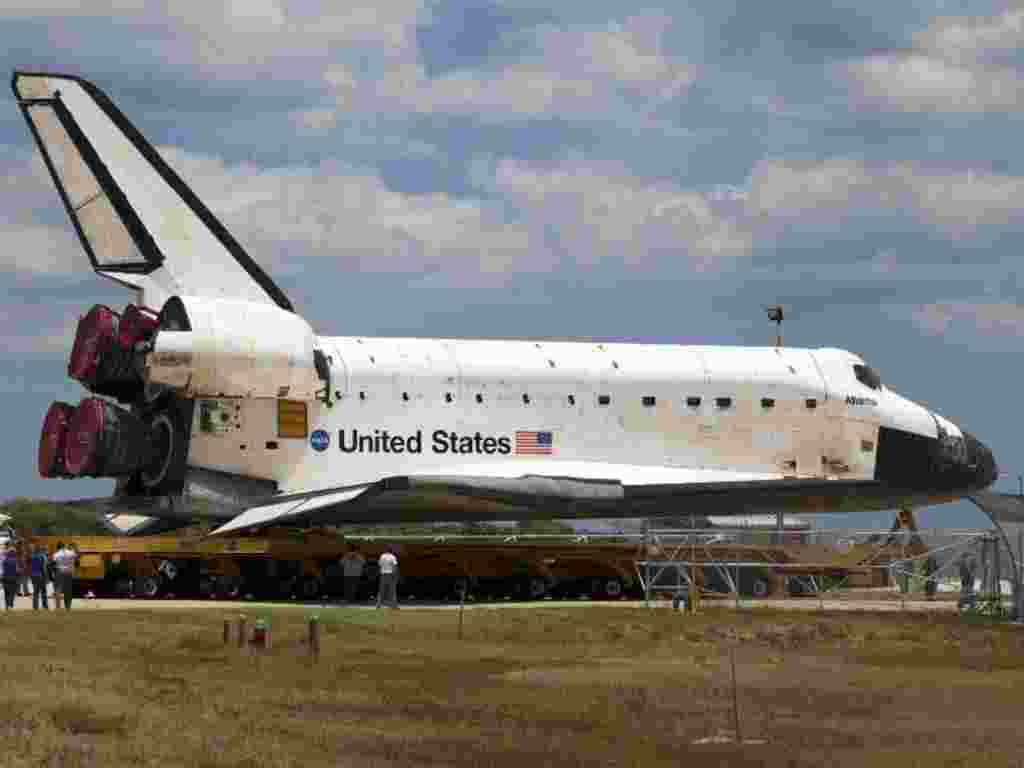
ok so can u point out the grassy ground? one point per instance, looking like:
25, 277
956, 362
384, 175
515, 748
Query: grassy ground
522, 688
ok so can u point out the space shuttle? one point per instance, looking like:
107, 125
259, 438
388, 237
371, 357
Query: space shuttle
208, 394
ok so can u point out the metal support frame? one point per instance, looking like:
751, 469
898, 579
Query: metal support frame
1019, 601
670, 573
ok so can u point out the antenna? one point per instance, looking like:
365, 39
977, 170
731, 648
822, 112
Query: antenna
775, 315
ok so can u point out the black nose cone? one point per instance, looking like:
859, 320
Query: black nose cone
980, 462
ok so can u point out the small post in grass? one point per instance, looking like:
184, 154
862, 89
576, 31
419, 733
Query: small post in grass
736, 584
227, 631
241, 631
314, 637
735, 697
261, 634
462, 608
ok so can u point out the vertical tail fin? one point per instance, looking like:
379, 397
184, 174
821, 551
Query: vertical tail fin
134, 215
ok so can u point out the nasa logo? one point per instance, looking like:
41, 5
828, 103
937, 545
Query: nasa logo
320, 440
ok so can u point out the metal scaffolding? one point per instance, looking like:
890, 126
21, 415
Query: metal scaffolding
729, 563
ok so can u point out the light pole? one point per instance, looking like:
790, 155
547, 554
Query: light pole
775, 315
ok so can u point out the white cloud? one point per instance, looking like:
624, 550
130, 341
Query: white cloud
29, 246
99, 8
963, 201
605, 213
923, 83
781, 191
350, 216
530, 216
965, 37
42, 250
318, 120
241, 37
958, 65
1002, 318
567, 71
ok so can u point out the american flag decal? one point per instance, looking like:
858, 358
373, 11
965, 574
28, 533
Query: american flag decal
535, 443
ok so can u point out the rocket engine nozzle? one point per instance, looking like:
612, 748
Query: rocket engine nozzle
53, 439
103, 356
105, 440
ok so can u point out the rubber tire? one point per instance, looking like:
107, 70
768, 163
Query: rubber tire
228, 588
760, 588
612, 589
536, 588
147, 587
207, 587
310, 588
460, 586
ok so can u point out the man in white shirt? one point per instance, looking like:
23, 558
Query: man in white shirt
64, 560
388, 593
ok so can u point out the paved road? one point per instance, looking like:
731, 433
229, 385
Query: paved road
802, 604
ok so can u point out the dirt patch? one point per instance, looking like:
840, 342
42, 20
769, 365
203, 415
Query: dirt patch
548, 687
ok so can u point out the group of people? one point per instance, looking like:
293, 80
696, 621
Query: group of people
352, 565
19, 568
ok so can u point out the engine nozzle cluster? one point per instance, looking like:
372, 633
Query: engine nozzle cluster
103, 357
98, 438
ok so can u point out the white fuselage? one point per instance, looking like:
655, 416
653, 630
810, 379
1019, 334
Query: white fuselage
425, 406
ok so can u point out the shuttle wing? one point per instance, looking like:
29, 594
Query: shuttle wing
590, 491
137, 220
1001, 507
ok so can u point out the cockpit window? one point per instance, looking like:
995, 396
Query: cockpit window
867, 376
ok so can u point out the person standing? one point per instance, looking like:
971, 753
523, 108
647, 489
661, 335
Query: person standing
37, 570
352, 565
64, 560
931, 584
23, 579
966, 581
387, 591
58, 599
10, 577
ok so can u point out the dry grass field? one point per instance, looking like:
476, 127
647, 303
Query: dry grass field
601, 686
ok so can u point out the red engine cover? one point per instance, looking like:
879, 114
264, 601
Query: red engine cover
83, 437
53, 439
95, 333
137, 324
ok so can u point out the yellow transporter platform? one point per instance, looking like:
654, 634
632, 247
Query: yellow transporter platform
286, 563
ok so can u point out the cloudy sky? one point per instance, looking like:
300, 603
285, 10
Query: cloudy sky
602, 170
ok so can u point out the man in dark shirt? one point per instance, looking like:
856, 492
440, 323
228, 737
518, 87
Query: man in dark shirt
10, 577
23, 553
37, 569
966, 581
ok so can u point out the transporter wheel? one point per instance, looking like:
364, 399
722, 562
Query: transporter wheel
310, 588
286, 589
537, 588
228, 587
759, 588
613, 588
460, 587
207, 587
147, 587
